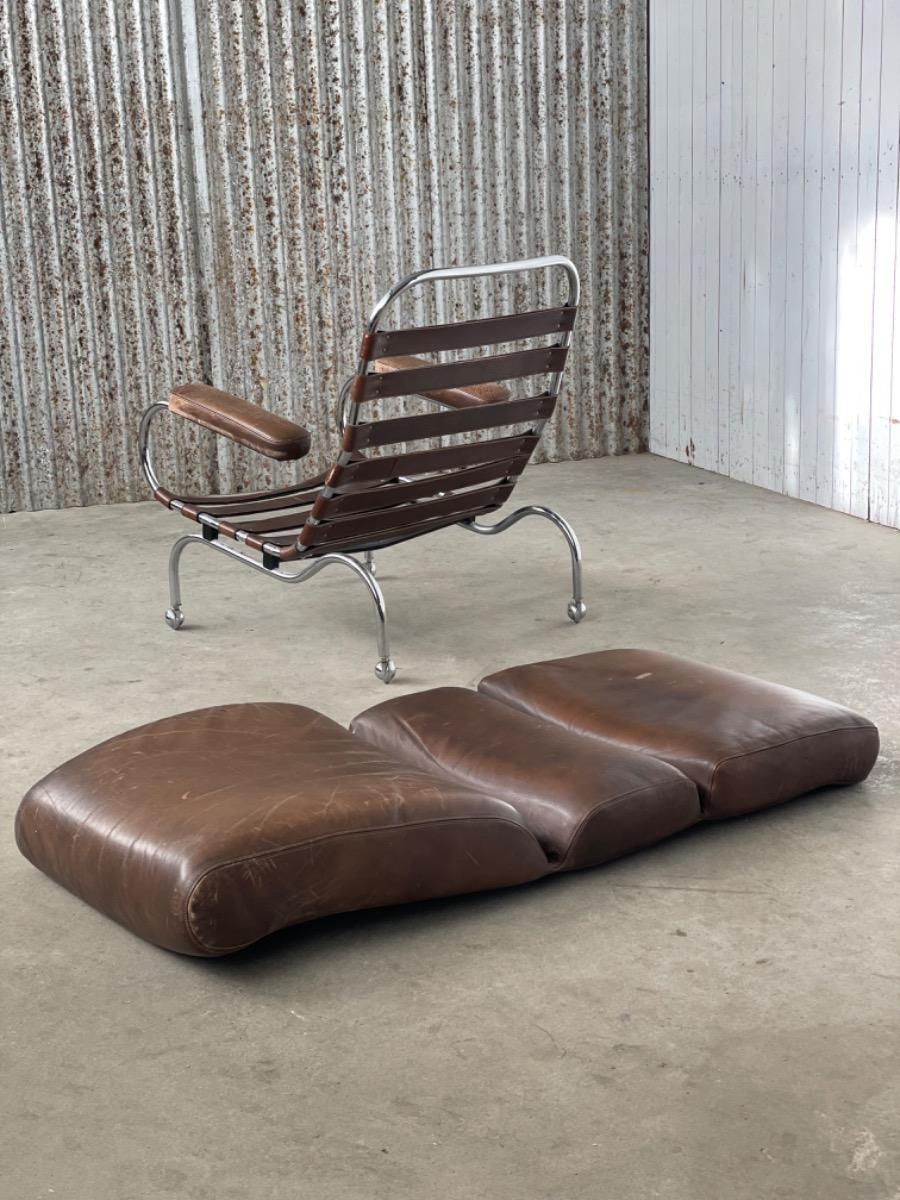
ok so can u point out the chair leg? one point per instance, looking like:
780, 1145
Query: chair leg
369, 562
385, 668
175, 613
577, 607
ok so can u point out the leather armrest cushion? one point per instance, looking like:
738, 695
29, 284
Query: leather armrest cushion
241, 420
462, 397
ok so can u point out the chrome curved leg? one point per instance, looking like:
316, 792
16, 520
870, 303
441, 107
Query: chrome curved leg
369, 562
385, 668
577, 607
175, 613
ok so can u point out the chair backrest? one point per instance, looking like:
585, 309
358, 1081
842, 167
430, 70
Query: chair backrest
369, 502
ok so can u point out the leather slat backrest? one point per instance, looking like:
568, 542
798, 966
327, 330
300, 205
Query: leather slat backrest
443, 424
421, 462
373, 501
461, 374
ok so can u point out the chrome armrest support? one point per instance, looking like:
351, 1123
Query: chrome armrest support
144, 441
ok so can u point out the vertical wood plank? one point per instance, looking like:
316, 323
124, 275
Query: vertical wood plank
781, 77
871, 53
826, 311
670, 234
658, 179
886, 313
697, 433
730, 231
793, 247
742, 409
707, 449
848, 350
762, 282
810, 370
683, 100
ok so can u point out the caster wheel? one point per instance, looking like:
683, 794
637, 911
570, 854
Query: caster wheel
174, 618
576, 610
385, 670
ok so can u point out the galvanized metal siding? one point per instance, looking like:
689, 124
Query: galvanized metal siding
220, 189
97, 251
775, 315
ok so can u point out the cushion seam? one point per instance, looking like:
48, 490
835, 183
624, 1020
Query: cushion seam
650, 787
327, 837
408, 730
804, 737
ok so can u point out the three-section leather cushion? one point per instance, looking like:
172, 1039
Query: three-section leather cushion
205, 831
747, 744
587, 799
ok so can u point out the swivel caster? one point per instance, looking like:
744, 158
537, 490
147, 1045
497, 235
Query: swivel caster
576, 610
174, 617
385, 670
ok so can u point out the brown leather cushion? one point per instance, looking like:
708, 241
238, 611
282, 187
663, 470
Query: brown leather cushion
241, 420
746, 744
205, 831
587, 800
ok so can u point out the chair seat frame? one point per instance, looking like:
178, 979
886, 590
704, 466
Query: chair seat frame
268, 557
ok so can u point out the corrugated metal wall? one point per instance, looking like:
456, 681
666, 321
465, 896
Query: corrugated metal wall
220, 189
775, 325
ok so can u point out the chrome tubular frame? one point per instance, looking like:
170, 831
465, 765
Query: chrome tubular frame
144, 443
348, 413
385, 669
577, 607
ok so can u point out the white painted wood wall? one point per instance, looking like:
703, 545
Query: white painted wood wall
774, 273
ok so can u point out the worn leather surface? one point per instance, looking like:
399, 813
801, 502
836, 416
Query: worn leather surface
205, 831
587, 800
469, 396
241, 420
747, 744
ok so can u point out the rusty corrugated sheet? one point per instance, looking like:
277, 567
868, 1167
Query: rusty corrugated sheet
221, 188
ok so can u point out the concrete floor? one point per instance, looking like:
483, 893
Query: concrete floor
715, 1018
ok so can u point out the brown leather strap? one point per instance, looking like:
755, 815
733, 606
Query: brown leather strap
457, 397
442, 424
390, 537
466, 335
242, 497
461, 374
272, 504
286, 520
417, 462
404, 516
372, 499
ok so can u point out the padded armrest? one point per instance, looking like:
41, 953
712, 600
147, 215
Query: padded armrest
461, 397
241, 420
